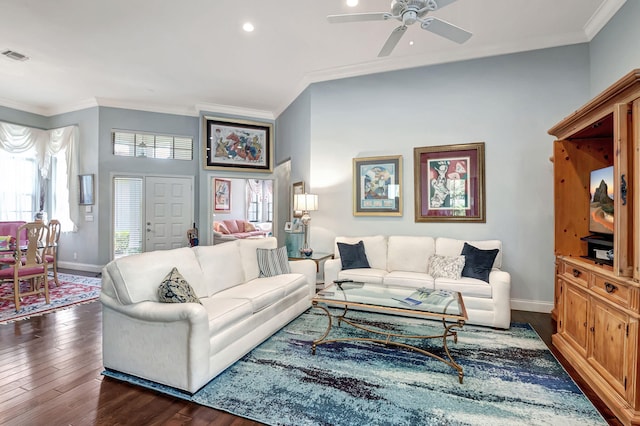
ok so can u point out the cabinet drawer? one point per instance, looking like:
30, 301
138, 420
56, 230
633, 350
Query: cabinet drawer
576, 274
612, 290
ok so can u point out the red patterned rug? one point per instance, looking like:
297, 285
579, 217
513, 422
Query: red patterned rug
73, 290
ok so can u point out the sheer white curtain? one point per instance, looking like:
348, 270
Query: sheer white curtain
59, 143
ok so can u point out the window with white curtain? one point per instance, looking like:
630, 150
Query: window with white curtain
259, 195
128, 226
20, 186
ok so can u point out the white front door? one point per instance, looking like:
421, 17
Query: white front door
168, 212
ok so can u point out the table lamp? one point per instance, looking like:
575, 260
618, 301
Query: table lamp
305, 203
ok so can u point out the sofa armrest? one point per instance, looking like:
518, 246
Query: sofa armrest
332, 268
219, 237
306, 267
163, 342
500, 282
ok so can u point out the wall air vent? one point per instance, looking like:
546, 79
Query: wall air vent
12, 54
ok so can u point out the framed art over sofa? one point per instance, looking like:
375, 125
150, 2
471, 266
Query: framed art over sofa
377, 186
449, 183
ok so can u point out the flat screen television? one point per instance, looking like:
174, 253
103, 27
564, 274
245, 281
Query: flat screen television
601, 215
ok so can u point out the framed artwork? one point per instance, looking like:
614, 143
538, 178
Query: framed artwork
239, 145
296, 188
86, 190
377, 186
221, 195
287, 226
449, 183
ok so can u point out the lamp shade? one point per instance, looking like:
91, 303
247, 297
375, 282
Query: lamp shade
305, 202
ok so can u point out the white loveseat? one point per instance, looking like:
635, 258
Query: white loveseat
185, 345
403, 261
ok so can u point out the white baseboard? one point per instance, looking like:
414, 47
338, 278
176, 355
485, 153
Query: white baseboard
80, 266
531, 305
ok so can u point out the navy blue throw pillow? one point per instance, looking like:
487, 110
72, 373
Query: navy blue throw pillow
353, 256
477, 262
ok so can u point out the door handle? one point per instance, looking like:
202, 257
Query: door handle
610, 288
576, 273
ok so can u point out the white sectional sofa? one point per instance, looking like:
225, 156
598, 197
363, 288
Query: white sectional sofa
403, 261
185, 345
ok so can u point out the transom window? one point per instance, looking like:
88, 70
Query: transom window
131, 144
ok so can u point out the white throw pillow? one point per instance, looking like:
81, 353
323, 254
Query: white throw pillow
446, 266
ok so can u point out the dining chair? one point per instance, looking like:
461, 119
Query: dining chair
51, 248
30, 266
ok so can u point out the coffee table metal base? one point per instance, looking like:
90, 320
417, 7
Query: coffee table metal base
387, 341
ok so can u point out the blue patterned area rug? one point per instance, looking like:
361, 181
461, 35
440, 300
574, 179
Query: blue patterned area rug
510, 377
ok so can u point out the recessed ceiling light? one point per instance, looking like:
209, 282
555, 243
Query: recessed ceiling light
248, 27
352, 3
411, 43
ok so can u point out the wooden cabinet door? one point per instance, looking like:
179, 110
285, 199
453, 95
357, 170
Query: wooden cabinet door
608, 349
575, 315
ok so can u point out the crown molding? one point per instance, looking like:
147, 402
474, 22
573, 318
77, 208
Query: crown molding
23, 107
233, 110
76, 106
601, 17
162, 109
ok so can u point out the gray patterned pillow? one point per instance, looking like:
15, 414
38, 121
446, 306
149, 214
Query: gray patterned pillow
446, 266
273, 262
175, 289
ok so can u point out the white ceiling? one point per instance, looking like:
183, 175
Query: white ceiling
191, 55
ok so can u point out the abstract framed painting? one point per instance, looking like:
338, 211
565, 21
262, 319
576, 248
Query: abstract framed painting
377, 186
449, 183
238, 145
221, 195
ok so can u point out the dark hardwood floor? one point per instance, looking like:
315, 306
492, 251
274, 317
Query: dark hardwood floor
50, 369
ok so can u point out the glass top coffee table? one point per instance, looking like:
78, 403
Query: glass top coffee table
444, 306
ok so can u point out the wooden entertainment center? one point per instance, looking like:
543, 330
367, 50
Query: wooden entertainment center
597, 304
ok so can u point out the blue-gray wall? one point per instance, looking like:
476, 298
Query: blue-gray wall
614, 51
508, 102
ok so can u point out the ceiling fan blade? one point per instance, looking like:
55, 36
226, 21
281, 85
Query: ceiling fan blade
444, 3
446, 30
358, 17
393, 39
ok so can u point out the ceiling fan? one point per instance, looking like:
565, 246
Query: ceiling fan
409, 12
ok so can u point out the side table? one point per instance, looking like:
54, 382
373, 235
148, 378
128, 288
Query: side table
317, 257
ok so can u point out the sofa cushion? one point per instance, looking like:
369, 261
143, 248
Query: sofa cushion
452, 247
224, 312
260, 292
353, 256
409, 253
135, 278
469, 287
288, 282
408, 279
366, 275
175, 289
477, 262
445, 266
232, 226
375, 248
273, 262
221, 228
221, 266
